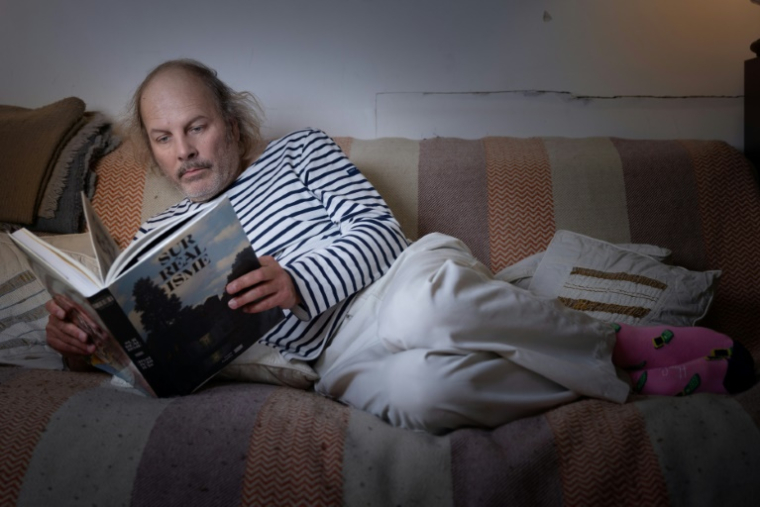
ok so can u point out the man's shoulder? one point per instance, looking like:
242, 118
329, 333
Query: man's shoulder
299, 136
180, 208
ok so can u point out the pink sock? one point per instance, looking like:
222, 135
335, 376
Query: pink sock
660, 346
698, 376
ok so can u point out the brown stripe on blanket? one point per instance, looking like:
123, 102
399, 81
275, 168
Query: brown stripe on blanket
585, 305
295, 456
519, 457
621, 276
27, 402
662, 204
601, 448
452, 192
209, 442
520, 200
730, 216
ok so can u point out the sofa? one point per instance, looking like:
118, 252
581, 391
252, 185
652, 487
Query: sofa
265, 438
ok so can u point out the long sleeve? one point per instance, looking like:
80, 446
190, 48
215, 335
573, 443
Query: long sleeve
363, 246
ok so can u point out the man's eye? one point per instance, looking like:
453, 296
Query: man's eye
197, 128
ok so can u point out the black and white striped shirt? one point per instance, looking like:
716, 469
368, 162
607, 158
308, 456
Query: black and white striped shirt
304, 203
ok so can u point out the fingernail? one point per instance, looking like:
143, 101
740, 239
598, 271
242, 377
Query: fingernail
233, 304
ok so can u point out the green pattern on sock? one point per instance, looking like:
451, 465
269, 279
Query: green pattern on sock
720, 354
640, 383
665, 337
694, 382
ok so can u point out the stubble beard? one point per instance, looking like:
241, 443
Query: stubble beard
213, 179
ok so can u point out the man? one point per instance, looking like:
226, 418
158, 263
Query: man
422, 336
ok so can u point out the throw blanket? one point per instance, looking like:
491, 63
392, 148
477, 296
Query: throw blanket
76, 439
31, 141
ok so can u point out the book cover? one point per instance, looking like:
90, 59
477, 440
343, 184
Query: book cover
176, 301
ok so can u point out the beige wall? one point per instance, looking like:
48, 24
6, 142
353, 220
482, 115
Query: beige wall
372, 68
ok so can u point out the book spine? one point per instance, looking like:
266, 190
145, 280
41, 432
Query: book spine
129, 340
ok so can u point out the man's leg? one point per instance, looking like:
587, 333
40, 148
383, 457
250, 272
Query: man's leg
417, 370
440, 298
423, 390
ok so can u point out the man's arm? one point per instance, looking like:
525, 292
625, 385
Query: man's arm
356, 250
369, 238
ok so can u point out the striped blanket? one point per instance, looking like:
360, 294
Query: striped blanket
74, 439
77, 439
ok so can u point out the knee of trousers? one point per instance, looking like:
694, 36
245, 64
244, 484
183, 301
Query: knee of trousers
418, 395
418, 307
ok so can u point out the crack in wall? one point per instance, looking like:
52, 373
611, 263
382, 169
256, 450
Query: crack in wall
570, 96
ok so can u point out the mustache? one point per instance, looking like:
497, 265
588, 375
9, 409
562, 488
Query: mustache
193, 164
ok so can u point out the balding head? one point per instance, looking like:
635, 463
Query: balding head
236, 108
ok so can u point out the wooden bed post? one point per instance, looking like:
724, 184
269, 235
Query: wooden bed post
752, 106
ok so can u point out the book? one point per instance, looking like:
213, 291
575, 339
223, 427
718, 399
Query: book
158, 311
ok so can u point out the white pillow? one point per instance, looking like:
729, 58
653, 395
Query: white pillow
617, 285
521, 273
261, 363
23, 316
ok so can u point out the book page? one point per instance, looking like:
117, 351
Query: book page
105, 248
58, 264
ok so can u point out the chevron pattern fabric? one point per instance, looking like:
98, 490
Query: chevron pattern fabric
297, 457
119, 193
615, 465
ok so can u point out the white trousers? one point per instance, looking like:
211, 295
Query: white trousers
437, 343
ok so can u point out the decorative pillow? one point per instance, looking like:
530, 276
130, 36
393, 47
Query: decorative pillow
521, 273
22, 313
616, 285
261, 363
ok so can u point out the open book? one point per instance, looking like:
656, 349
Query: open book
157, 312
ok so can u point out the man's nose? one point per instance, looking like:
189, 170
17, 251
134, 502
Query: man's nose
186, 149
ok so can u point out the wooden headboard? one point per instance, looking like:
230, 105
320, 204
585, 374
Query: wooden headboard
752, 106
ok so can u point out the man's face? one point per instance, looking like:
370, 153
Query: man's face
189, 139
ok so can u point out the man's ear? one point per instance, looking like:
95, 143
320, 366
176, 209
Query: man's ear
235, 129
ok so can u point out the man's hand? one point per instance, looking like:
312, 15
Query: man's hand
63, 335
264, 288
